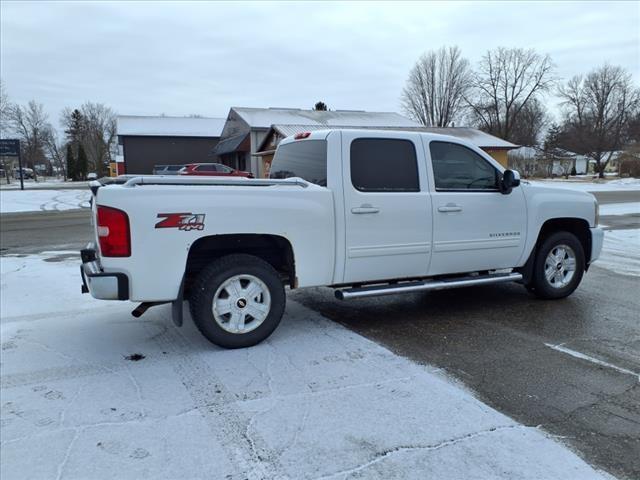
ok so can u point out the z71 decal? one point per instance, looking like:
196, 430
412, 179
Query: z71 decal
181, 221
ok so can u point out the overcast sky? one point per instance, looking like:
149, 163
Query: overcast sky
202, 58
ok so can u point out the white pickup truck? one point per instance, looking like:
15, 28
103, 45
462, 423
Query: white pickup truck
364, 212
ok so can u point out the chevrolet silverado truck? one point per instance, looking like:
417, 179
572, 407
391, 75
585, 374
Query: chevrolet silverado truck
363, 212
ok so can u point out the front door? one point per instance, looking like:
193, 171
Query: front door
475, 226
387, 207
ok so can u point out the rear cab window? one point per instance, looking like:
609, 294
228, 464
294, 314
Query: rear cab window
306, 159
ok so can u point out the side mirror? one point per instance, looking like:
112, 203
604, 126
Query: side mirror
510, 179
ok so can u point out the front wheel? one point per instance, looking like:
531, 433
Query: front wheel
237, 301
559, 266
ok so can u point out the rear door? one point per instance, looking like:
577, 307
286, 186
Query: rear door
475, 226
387, 206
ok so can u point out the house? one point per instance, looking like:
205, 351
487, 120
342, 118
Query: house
494, 146
144, 142
246, 128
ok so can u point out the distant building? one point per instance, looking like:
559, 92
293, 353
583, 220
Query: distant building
144, 142
494, 146
246, 128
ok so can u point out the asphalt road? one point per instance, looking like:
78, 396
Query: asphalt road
570, 366
37, 231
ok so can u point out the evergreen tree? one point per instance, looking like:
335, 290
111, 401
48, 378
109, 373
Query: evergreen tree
71, 163
321, 106
83, 163
75, 128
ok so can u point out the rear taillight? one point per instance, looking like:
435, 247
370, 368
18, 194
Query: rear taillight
113, 232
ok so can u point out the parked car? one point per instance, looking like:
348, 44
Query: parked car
213, 169
363, 212
27, 173
167, 169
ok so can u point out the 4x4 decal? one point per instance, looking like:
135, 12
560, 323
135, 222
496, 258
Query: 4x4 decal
181, 221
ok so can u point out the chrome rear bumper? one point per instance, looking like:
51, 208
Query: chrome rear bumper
101, 285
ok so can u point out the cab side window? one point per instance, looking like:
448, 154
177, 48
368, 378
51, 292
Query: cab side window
384, 165
456, 167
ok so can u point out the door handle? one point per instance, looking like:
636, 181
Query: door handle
450, 207
365, 208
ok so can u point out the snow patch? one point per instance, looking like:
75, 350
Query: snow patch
629, 208
12, 201
314, 401
621, 252
626, 184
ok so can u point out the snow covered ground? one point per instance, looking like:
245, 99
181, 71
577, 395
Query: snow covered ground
625, 184
12, 201
620, 208
621, 248
621, 252
314, 401
46, 183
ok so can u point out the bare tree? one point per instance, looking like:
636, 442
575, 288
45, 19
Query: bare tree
5, 124
437, 85
55, 149
528, 126
598, 111
5, 109
97, 133
30, 123
507, 81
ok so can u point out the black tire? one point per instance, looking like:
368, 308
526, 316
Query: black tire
544, 288
212, 277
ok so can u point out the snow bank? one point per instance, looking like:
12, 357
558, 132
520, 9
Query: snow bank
620, 208
621, 252
625, 184
36, 200
48, 183
314, 401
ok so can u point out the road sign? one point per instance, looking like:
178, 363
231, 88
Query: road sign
9, 148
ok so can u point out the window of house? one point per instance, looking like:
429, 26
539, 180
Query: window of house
384, 165
456, 167
306, 159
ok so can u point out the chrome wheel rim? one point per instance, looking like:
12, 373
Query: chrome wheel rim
560, 266
241, 304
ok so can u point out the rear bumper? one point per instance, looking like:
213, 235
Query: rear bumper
100, 284
597, 238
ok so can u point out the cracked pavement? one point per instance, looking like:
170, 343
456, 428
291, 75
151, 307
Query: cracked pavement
314, 401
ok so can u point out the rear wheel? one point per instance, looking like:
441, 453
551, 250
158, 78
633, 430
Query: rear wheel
559, 266
237, 301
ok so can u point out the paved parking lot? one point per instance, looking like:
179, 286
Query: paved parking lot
90, 392
534, 360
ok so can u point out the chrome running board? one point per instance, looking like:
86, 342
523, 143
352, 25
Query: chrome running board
422, 285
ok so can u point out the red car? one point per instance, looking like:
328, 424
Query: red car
216, 169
